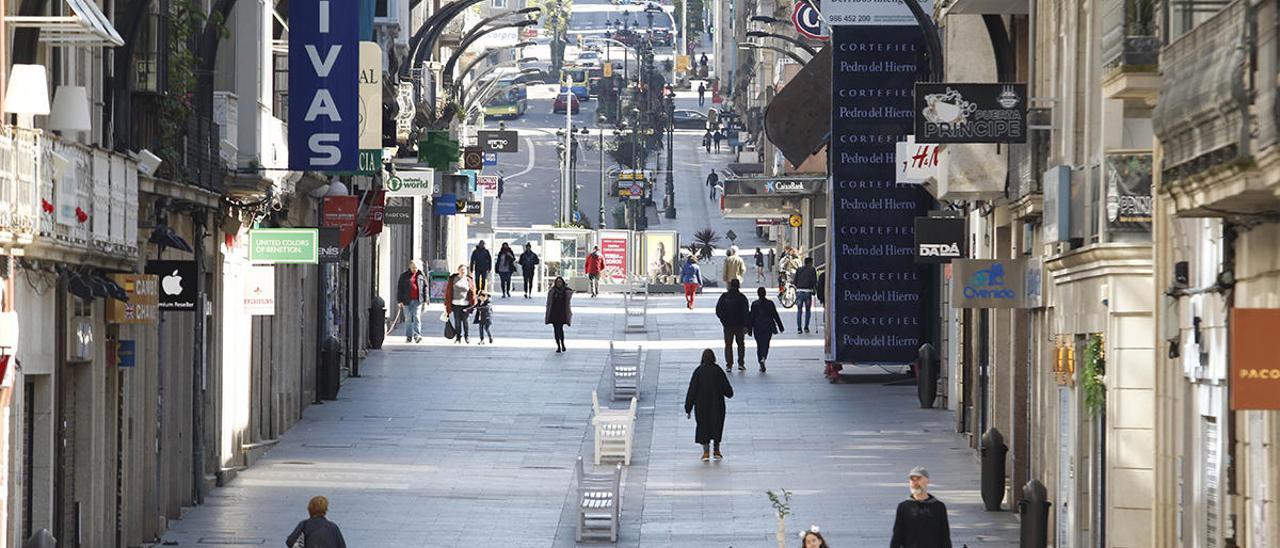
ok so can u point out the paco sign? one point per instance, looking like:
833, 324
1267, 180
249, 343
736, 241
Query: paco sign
1255, 366
324, 110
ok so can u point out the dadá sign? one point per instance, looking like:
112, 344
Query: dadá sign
324, 79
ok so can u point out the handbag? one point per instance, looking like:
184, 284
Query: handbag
301, 541
449, 331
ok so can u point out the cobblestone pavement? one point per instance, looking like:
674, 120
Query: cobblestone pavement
440, 444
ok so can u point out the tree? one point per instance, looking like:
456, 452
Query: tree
706, 240
696, 24
555, 19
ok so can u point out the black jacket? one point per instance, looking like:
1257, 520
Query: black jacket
506, 261
732, 309
321, 533
708, 389
481, 260
921, 524
482, 313
528, 259
403, 287
763, 318
806, 278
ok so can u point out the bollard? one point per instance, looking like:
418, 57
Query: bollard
328, 377
377, 322
993, 452
41, 539
1034, 509
926, 376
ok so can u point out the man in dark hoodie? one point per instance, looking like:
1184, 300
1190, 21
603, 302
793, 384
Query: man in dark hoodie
481, 264
732, 309
921, 521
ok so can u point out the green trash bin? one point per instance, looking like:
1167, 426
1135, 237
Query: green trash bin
436, 282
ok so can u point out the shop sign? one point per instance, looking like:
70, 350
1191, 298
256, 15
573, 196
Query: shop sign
376, 208
986, 283
177, 284
770, 222
785, 187
940, 239
970, 113
330, 250
418, 182
488, 185
613, 248
126, 352
499, 141
260, 291
1129, 192
917, 162
468, 207
370, 97
143, 306
284, 245
340, 212
872, 12
446, 204
1255, 364
324, 98
398, 215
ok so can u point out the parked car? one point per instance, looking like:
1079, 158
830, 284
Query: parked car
559, 104
661, 37
690, 119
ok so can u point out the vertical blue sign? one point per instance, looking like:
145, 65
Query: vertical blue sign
880, 294
324, 106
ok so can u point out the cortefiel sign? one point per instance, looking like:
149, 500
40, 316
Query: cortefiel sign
177, 284
499, 141
939, 239
324, 80
871, 12
983, 283
971, 113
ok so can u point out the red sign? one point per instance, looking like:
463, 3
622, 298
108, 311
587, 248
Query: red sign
340, 212
614, 251
376, 207
770, 222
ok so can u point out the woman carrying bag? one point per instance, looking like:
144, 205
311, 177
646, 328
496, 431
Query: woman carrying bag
559, 312
459, 296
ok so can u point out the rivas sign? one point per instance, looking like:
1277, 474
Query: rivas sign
324, 79
988, 283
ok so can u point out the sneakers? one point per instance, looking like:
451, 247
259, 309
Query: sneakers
762, 366
490, 340
706, 457
457, 340
481, 341
417, 338
718, 455
806, 330
742, 366
728, 368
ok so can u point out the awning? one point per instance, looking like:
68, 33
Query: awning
86, 26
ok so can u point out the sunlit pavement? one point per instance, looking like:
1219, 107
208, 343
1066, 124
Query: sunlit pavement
440, 444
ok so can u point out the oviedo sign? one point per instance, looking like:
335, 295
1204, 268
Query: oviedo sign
982, 283
324, 80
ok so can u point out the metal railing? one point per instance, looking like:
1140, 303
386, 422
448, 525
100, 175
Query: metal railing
1129, 33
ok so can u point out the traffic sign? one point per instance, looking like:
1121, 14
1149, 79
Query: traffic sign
637, 191
473, 158
491, 158
808, 21
795, 220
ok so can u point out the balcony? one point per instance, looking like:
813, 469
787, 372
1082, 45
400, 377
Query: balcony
67, 202
1130, 50
195, 159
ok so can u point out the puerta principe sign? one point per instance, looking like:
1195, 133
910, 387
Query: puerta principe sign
1255, 364
284, 245
970, 113
324, 80
987, 283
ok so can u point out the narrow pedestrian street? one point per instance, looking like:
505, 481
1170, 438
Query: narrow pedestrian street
437, 444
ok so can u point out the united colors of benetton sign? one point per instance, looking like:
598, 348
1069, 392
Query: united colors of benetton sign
324, 79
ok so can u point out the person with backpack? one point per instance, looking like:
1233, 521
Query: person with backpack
317, 531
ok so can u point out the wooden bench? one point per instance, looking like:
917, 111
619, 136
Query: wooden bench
625, 365
599, 502
635, 305
614, 430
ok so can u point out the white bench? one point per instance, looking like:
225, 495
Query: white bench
599, 502
625, 365
635, 304
614, 430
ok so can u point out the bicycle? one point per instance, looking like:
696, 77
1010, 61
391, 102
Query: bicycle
787, 292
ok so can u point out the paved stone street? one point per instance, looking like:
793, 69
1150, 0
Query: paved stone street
444, 445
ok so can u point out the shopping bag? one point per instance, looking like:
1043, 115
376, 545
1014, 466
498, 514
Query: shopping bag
449, 331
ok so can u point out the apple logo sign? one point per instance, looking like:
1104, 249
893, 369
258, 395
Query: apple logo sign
172, 284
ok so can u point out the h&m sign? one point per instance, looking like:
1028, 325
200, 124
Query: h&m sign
324, 80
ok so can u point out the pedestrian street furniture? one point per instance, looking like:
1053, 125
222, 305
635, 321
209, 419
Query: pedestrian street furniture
625, 365
614, 430
635, 303
599, 502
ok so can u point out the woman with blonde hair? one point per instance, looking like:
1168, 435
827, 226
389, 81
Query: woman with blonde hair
318, 531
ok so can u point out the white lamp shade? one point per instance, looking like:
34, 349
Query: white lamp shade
9, 332
70, 109
28, 91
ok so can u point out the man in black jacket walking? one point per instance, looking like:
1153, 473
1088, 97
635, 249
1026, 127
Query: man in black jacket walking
921, 520
411, 292
806, 282
763, 323
732, 309
481, 264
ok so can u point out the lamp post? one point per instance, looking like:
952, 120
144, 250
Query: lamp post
764, 34
447, 73
791, 54
600, 125
671, 153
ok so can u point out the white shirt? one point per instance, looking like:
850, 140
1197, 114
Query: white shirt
460, 290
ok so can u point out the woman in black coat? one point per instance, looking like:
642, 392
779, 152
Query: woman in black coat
559, 312
528, 260
707, 390
505, 266
762, 323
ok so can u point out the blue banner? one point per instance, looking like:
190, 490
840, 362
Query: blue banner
881, 296
324, 105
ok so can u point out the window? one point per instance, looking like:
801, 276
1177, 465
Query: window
498, 4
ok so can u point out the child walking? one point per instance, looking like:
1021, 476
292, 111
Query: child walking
483, 313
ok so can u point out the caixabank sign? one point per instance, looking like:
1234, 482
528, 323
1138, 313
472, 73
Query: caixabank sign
984, 283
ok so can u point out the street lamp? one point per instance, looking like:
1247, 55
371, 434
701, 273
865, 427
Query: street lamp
478, 32
462, 74
765, 19
601, 122
788, 53
763, 34
671, 153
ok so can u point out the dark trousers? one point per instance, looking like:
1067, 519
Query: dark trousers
762, 345
506, 283
558, 328
732, 334
482, 280
528, 281
485, 328
460, 325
